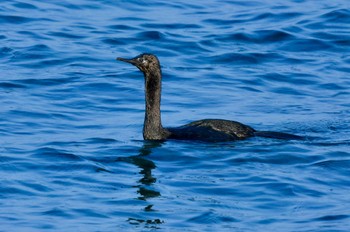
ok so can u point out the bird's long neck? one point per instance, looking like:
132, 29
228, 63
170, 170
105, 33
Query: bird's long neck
153, 129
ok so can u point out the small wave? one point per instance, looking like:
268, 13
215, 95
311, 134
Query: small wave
343, 164
171, 26
23, 5
115, 41
235, 58
248, 18
5, 52
13, 19
306, 45
338, 16
211, 217
11, 85
66, 34
56, 212
51, 153
153, 35
332, 217
45, 81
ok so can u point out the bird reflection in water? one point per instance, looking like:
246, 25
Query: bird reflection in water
146, 183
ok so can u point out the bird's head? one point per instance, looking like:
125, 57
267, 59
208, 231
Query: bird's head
145, 62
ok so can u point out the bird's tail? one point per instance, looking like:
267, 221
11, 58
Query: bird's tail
277, 135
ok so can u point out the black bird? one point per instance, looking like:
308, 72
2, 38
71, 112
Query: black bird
210, 130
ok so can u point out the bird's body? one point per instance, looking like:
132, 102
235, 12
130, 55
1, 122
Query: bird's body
211, 130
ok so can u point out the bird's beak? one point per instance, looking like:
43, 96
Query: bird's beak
130, 61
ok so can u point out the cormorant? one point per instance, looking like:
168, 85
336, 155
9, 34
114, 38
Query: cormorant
211, 130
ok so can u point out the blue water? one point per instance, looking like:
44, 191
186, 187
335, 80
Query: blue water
72, 157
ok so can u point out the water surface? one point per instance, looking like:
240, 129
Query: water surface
72, 157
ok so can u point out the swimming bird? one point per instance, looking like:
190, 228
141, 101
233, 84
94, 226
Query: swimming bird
210, 130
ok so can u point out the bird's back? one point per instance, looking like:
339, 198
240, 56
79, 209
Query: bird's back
212, 130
